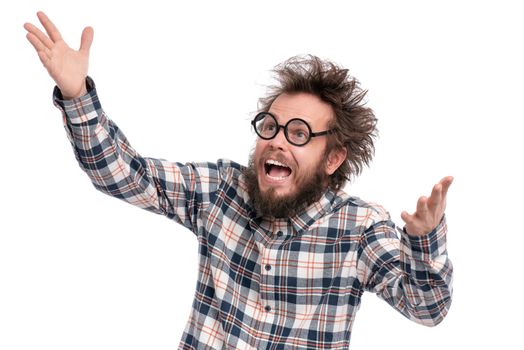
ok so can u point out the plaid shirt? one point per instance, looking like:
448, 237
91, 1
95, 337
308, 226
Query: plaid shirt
267, 283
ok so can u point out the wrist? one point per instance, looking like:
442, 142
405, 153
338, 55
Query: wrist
70, 94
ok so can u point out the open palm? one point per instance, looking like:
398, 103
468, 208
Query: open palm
429, 210
67, 67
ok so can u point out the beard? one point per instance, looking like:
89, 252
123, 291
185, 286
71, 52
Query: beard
309, 190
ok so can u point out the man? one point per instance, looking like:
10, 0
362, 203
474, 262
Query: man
285, 254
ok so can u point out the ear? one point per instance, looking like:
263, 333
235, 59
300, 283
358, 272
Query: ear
335, 158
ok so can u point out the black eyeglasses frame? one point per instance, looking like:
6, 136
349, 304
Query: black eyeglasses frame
311, 134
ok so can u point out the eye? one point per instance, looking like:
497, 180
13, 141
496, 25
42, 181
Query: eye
301, 134
298, 131
269, 126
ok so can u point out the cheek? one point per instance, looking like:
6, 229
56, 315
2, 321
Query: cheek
314, 167
261, 145
258, 151
310, 159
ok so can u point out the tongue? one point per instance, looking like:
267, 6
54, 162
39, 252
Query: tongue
279, 171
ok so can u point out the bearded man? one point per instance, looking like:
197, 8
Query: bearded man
284, 253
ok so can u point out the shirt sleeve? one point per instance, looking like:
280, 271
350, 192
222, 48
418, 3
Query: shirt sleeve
178, 191
412, 274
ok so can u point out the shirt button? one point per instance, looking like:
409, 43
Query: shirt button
268, 308
268, 267
279, 233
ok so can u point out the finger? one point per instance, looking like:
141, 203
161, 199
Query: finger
446, 179
422, 206
406, 217
38, 33
43, 58
50, 28
446, 183
435, 198
87, 39
37, 44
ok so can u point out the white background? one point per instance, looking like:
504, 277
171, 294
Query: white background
80, 270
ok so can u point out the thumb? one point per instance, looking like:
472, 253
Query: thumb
87, 39
405, 216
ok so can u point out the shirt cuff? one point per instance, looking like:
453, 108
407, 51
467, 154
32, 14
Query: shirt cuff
82, 109
429, 246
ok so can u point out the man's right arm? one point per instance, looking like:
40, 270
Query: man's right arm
176, 190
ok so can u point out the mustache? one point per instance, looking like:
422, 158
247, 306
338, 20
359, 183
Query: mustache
276, 155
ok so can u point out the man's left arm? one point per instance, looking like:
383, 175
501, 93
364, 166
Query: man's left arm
413, 274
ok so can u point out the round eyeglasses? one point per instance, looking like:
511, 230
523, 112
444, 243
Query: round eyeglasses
297, 131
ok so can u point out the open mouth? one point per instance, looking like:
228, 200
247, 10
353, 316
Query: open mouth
276, 170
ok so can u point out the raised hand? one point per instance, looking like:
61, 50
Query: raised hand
429, 210
66, 66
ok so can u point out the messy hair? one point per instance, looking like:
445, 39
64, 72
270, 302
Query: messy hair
355, 124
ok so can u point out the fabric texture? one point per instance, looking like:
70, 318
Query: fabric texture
267, 284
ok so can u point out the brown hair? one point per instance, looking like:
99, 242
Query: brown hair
355, 123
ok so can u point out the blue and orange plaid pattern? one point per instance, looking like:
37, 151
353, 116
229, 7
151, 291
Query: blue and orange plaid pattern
267, 284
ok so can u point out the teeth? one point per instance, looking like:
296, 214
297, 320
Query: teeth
274, 162
277, 177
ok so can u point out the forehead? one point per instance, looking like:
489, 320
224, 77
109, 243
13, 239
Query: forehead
302, 105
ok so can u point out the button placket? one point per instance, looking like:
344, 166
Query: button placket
266, 280
267, 271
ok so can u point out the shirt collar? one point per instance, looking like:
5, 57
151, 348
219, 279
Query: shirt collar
328, 203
